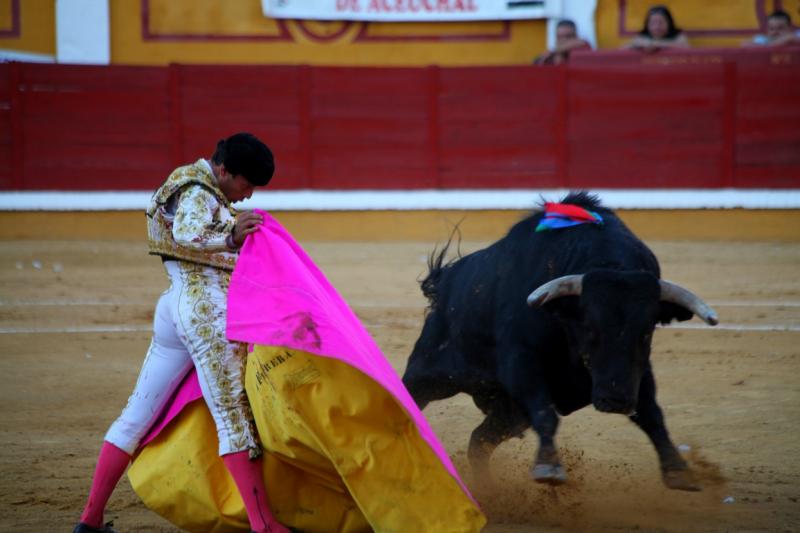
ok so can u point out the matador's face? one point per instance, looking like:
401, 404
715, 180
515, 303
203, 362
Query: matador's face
235, 187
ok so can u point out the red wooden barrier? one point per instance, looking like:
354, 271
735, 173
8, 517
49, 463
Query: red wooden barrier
498, 127
370, 128
218, 100
713, 119
743, 57
92, 127
767, 128
646, 127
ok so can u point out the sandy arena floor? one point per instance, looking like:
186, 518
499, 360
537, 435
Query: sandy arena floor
74, 328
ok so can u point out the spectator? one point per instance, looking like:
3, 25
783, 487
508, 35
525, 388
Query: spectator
659, 32
779, 32
567, 40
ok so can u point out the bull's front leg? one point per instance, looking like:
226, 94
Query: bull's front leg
503, 421
674, 471
544, 420
532, 395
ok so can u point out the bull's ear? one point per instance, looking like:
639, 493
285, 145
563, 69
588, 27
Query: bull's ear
669, 311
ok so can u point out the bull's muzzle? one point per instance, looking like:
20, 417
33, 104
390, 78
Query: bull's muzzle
622, 406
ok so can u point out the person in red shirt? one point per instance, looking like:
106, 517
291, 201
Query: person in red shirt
567, 40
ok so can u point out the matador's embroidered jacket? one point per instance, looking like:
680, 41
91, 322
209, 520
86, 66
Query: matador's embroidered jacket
189, 218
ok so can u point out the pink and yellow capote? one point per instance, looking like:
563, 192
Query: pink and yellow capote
345, 446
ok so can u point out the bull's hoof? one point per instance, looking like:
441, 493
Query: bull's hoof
680, 480
552, 474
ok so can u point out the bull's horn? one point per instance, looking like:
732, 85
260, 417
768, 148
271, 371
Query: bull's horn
676, 294
556, 288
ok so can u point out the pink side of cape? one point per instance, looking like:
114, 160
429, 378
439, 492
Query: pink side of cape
279, 297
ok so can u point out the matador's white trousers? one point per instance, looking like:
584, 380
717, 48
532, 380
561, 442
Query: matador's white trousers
189, 329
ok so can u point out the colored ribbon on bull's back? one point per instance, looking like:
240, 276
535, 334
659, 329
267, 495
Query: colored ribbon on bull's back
346, 448
557, 216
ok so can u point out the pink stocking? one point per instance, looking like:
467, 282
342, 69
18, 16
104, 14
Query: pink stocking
111, 464
249, 479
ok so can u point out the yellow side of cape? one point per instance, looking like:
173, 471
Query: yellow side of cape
341, 455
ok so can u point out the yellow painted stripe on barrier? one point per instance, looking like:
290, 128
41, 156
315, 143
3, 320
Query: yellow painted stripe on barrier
429, 226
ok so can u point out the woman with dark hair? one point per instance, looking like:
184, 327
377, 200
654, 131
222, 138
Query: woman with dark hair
659, 32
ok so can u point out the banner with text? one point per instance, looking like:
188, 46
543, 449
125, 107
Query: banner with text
412, 10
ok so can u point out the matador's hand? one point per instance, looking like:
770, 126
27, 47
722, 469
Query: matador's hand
247, 222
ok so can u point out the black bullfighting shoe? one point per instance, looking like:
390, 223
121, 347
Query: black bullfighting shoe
84, 528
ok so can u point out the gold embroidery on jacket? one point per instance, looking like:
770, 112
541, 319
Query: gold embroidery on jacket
207, 220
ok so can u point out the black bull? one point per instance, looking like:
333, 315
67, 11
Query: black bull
594, 297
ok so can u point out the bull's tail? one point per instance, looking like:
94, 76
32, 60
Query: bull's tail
437, 266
